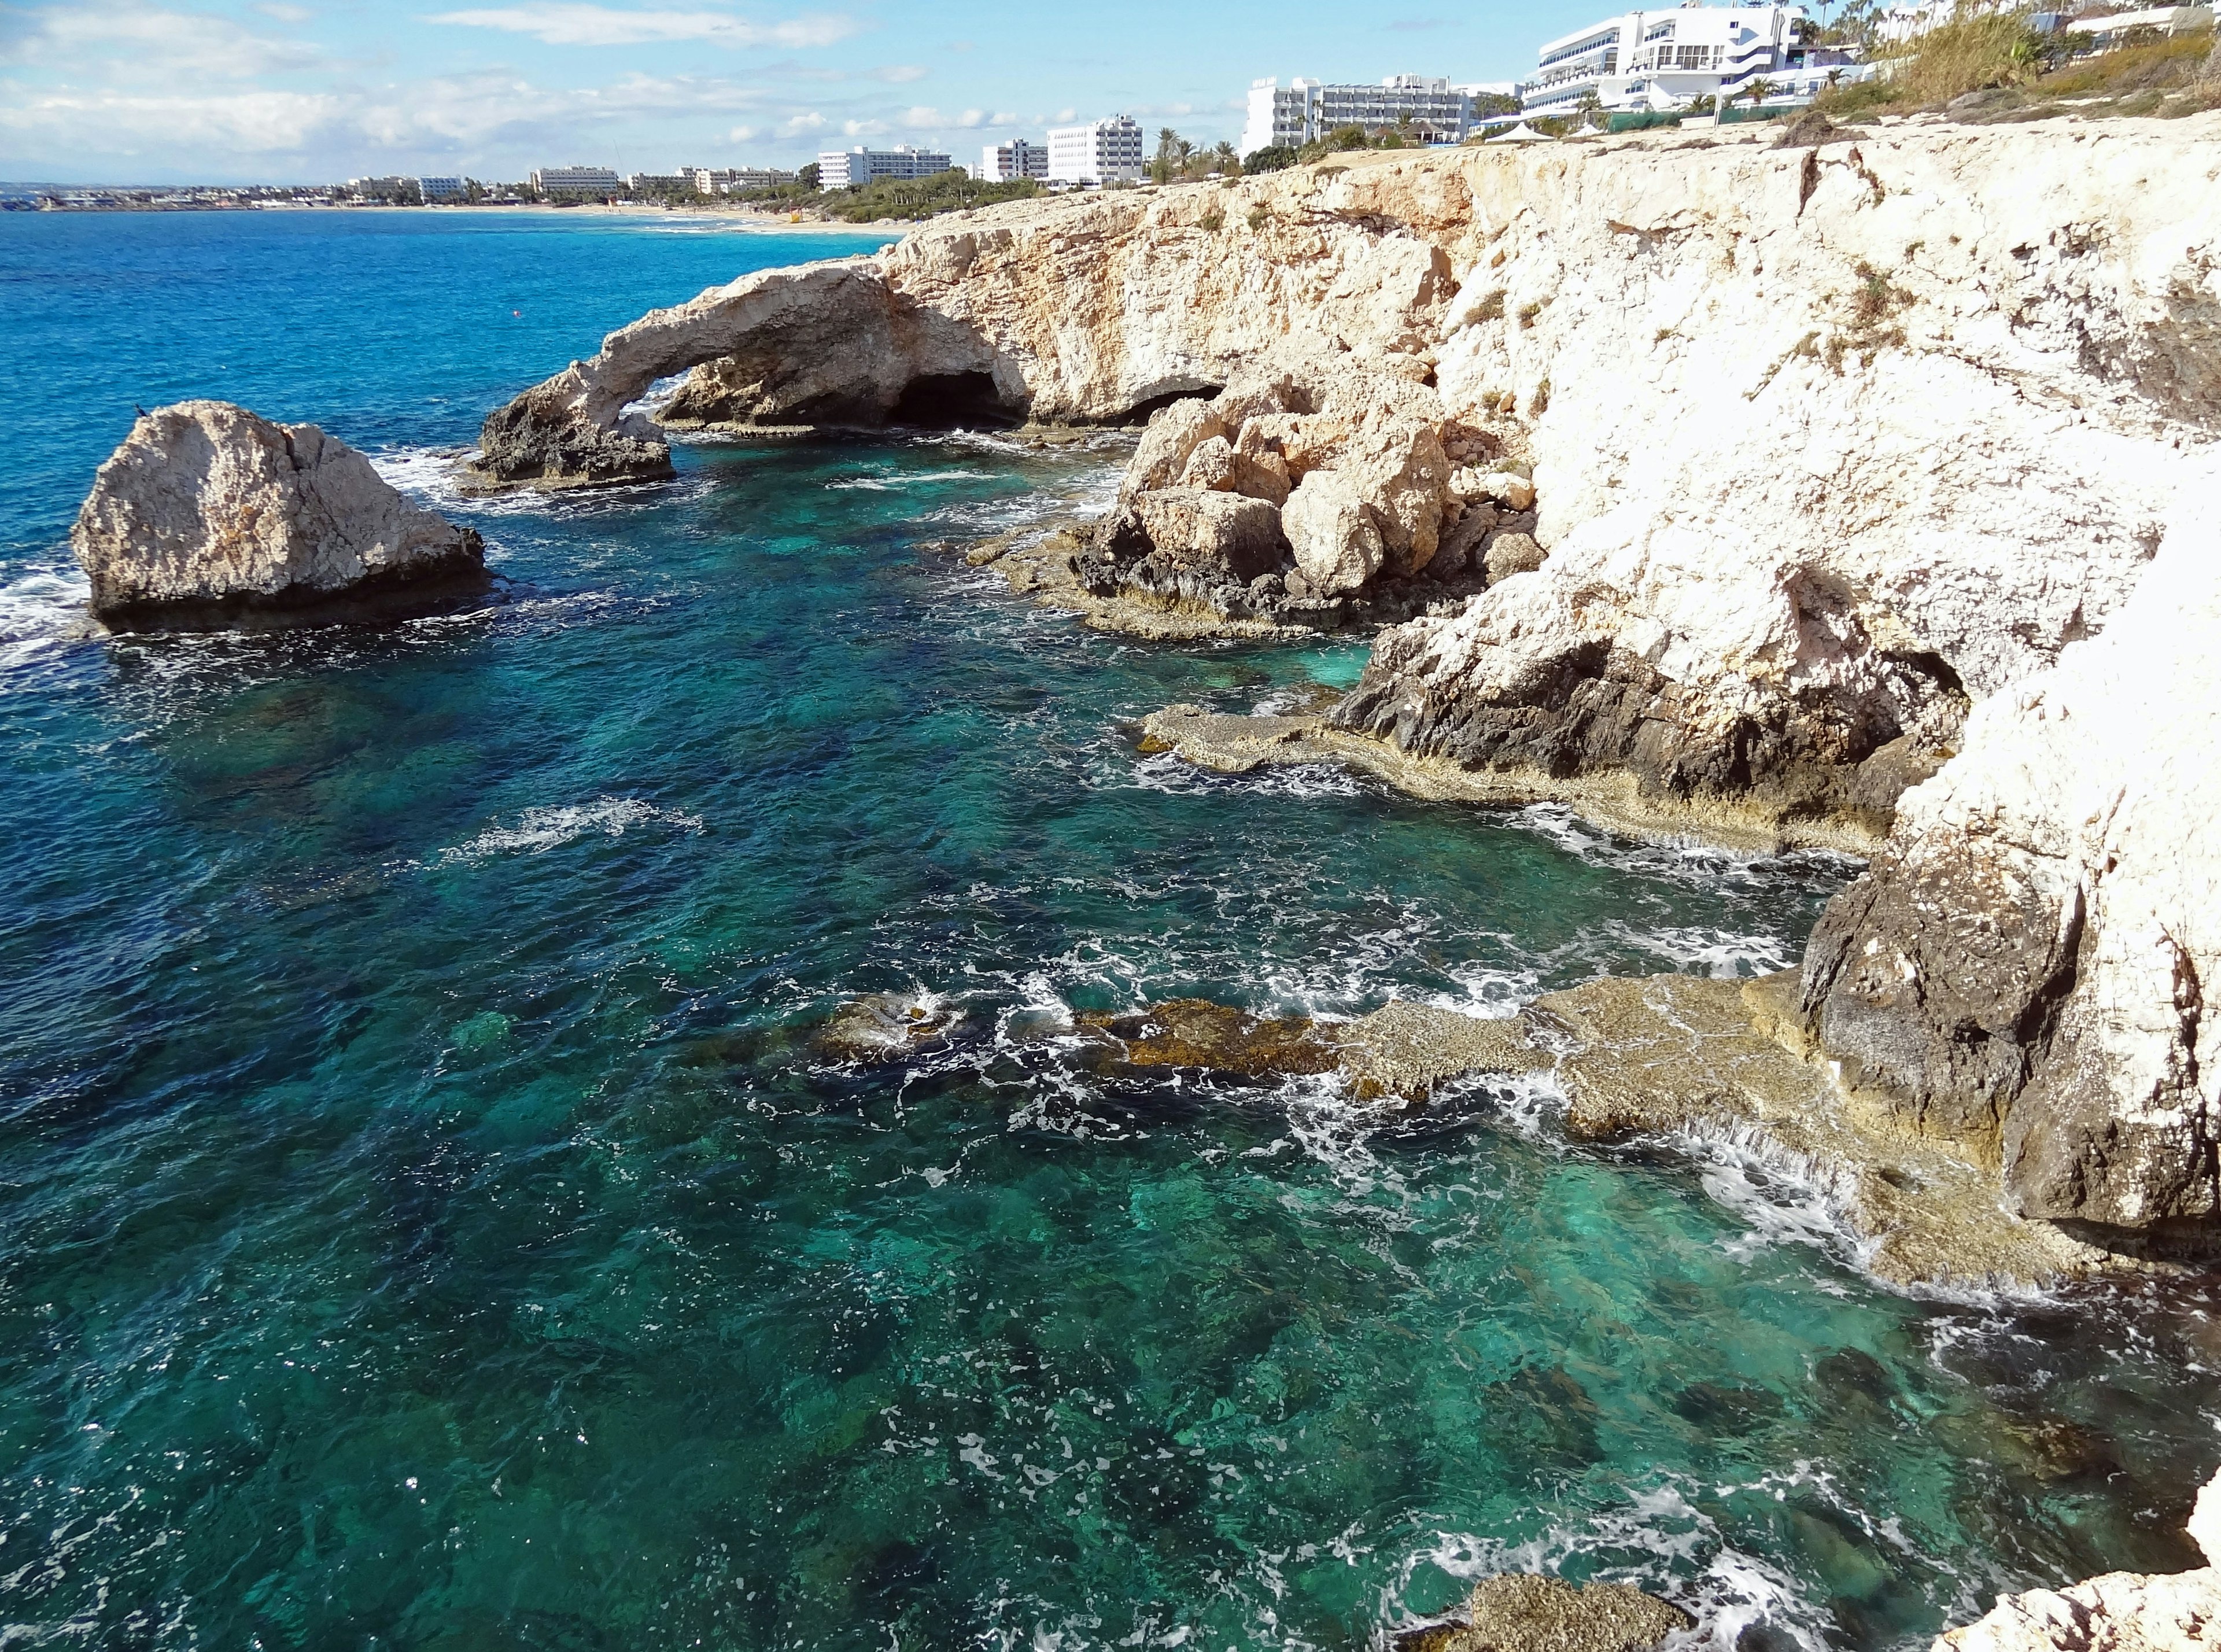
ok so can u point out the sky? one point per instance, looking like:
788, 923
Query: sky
303, 91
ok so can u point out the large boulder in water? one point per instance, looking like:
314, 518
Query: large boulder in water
209, 515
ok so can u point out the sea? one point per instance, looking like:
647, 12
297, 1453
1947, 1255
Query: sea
430, 1218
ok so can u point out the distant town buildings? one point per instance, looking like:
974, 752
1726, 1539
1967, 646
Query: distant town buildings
1306, 111
433, 191
582, 181
1003, 163
659, 183
1662, 60
1102, 152
845, 168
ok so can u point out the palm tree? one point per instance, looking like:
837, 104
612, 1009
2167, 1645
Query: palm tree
1171, 147
1758, 92
1225, 160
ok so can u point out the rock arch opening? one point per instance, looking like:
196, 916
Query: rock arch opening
953, 401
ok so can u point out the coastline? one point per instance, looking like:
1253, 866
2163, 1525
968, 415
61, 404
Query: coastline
1672, 1063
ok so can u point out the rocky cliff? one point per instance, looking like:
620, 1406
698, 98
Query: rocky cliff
2121, 1612
1778, 573
208, 515
2024, 967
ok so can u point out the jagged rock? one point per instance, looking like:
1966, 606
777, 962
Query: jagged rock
1333, 534
1827, 442
1348, 452
2121, 1612
1509, 489
886, 1026
2024, 965
1520, 1612
208, 515
534, 442
1511, 554
1221, 531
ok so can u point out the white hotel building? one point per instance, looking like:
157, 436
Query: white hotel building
577, 181
1306, 111
1005, 163
841, 168
1102, 152
1659, 60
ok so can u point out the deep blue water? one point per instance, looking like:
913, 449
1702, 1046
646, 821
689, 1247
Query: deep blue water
425, 1220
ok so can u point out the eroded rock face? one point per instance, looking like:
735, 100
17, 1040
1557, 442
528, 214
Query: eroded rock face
1819, 458
208, 515
2121, 1612
2026, 964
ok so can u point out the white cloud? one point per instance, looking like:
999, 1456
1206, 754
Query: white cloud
742, 135
864, 128
144, 43
592, 25
128, 124
1067, 114
795, 126
900, 74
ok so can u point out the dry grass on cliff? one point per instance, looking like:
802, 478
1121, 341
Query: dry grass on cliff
1989, 67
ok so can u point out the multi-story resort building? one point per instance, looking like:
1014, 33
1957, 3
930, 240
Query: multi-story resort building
1306, 111
596, 181
1002, 163
1661, 61
844, 168
734, 180
1102, 152
659, 183
441, 188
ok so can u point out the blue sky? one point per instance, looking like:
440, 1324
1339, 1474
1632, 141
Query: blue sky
294, 91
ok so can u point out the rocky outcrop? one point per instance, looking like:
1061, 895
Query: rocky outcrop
2024, 967
2121, 1612
208, 515
1522, 1611
1343, 474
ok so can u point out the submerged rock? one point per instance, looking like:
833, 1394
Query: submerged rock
1196, 1033
885, 1027
1519, 1611
208, 515
2121, 1612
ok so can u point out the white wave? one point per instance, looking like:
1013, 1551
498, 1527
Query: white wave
1721, 954
39, 608
1662, 1545
1782, 1197
538, 830
899, 481
1683, 859
433, 477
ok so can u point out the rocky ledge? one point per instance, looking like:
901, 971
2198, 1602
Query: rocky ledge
209, 515
2121, 1612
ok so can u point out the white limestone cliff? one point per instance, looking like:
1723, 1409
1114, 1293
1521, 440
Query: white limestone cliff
2029, 963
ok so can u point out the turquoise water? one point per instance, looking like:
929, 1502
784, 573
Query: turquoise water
425, 1221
